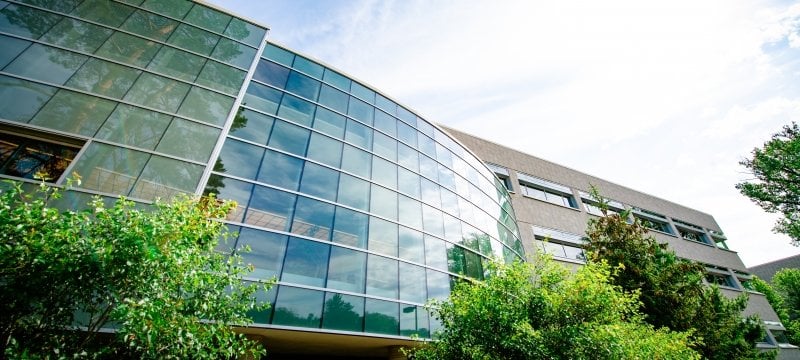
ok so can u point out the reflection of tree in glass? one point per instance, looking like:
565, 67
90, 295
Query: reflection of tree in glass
239, 121
285, 316
238, 30
455, 260
339, 314
227, 50
381, 323
215, 183
27, 21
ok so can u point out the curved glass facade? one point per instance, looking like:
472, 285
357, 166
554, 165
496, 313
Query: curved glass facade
360, 208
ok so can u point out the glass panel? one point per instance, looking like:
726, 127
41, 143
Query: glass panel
328, 122
104, 78
77, 35
290, 138
387, 105
385, 146
134, 126
280, 170
432, 220
261, 296
382, 236
337, 80
383, 202
407, 116
408, 183
303, 86
251, 125
266, 251
10, 48
238, 159
25, 21
446, 177
452, 231
165, 178
105, 12
353, 192
333, 98
208, 106
244, 31
343, 312
435, 253
426, 145
472, 265
74, 112
173, 8
230, 189
381, 317
414, 321
271, 73
360, 111
234, 53
193, 39
455, 259
412, 247
407, 134
313, 218
307, 66
278, 55
109, 168
47, 64
347, 270
382, 276
386, 123
438, 285
306, 262
350, 228
412, 283
358, 134
427, 129
150, 25
408, 157
356, 161
262, 98
296, 109
428, 168
270, 208
384, 172
157, 92
430, 193
363, 92
221, 77
410, 212
449, 202
298, 307
56, 5
177, 63
201, 140
35, 160
129, 49
325, 150
208, 18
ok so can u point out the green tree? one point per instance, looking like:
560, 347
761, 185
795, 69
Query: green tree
151, 274
542, 311
671, 290
776, 183
776, 300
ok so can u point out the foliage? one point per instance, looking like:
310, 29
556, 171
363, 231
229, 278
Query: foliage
776, 187
557, 315
152, 274
671, 290
776, 300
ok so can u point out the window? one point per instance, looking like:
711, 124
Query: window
562, 251
547, 195
652, 220
745, 279
32, 158
719, 239
716, 278
691, 232
780, 336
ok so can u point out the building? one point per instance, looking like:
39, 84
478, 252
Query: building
361, 208
767, 270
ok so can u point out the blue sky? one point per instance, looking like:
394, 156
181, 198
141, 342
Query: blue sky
663, 97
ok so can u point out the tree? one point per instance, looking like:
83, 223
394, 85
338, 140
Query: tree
777, 300
776, 186
543, 311
150, 273
671, 290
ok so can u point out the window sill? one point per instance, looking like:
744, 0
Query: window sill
554, 204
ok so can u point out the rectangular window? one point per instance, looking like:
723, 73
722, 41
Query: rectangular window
720, 279
548, 195
693, 235
35, 158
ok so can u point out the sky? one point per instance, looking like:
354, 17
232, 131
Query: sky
665, 97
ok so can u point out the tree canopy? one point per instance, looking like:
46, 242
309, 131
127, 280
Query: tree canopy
150, 273
776, 183
784, 296
542, 311
671, 289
